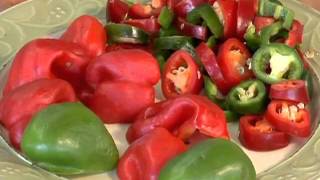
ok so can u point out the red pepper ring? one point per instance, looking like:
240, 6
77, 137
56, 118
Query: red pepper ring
288, 117
246, 12
229, 10
291, 90
149, 25
295, 34
257, 134
181, 75
188, 29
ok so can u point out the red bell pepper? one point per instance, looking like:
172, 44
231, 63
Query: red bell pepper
245, 14
229, 12
48, 58
117, 10
120, 102
149, 25
145, 157
89, 33
183, 116
188, 29
19, 105
132, 65
260, 22
181, 75
289, 117
295, 34
256, 133
291, 90
183, 7
208, 59
233, 59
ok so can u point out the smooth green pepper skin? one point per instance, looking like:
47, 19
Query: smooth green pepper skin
166, 17
284, 61
69, 139
123, 33
213, 159
252, 38
253, 104
212, 92
269, 31
172, 42
232, 116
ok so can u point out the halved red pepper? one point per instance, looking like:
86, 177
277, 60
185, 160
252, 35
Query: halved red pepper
183, 7
19, 105
89, 33
48, 58
117, 10
188, 29
183, 116
256, 133
145, 157
260, 22
289, 117
233, 57
181, 75
291, 90
295, 34
229, 11
208, 59
149, 25
245, 14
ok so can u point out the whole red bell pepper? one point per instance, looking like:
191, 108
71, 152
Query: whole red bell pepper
48, 58
181, 75
120, 102
256, 133
146, 156
19, 105
289, 117
89, 33
132, 65
291, 90
183, 116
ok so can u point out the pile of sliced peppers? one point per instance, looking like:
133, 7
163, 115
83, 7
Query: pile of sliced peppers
219, 61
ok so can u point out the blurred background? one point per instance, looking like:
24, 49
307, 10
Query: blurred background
8, 3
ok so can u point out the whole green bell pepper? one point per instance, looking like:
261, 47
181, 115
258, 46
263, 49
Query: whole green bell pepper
69, 139
249, 97
215, 159
282, 61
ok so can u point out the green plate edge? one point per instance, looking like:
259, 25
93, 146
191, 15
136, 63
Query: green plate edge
38, 18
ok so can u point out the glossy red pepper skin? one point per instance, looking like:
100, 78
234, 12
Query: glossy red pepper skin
188, 29
19, 105
149, 25
232, 58
183, 7
146, 156
140, 11
48, 58
245, 14
209, 60
291, 90
229, 11
183, 116
120, 102
295, 34
117, 10
89, 33
193, 80
263, 137
131, 65
260, 22
300, 126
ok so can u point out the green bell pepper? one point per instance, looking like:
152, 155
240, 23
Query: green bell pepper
210, 17
172, 42
278, 11
215, 159
282, 60
69, 139
249, 97
166, 17
123, 33
171, 31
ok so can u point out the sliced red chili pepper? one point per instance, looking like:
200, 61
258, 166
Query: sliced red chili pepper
181, 75
256, 133
233, 59
117, 10
260, 22
246, 12
183, 7
289, 117
188, 29
208, 59
229, 11
140, 11
291, 90
295, 34
150, 25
